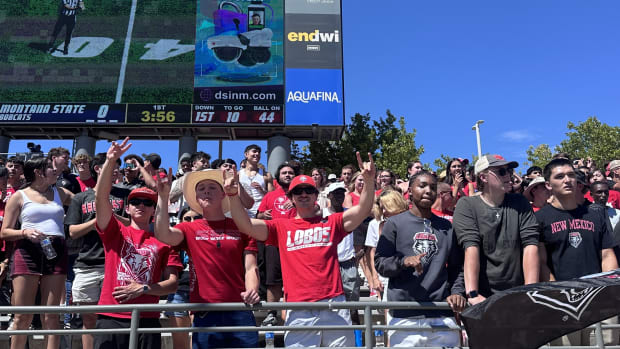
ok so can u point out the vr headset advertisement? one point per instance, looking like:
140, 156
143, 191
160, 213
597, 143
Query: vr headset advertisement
238, 43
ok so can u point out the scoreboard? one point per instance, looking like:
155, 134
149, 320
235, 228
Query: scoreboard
141, 114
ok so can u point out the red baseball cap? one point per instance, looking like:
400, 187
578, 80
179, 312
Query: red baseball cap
302, 180
143, 193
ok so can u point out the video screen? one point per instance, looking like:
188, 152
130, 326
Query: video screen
101, 51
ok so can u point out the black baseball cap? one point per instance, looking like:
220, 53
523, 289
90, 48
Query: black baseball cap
153, 158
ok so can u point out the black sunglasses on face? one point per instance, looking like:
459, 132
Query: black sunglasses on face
307, 190
191, 218
502, 171
146, 202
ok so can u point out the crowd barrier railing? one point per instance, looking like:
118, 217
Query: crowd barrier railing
136, 309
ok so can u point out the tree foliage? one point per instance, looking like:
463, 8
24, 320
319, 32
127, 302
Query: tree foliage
441, 162
538, 156
398, 149
392, 146
592, 138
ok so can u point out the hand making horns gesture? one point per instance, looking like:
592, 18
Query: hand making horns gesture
117, 150
367, 169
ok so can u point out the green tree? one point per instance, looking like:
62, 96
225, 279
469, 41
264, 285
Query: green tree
398, 149
538, 156
391, 145
592, 138
385, 129
441, 162
359, 135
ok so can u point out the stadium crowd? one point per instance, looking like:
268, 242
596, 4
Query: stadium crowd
115, 228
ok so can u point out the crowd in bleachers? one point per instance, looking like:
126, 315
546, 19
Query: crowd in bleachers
116, 228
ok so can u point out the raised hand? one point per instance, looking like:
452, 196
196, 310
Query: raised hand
367, 169
231, 181
458, 180
117, 150
164, 184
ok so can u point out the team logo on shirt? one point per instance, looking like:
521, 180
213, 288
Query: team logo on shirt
279, 204
572, 302
425, 242
312, 237
137, 264
574, 238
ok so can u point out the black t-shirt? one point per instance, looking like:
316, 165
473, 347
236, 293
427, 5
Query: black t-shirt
82, 210
574, 240
136, 183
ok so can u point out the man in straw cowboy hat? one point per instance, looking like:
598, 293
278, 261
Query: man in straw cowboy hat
308, 253
223, 259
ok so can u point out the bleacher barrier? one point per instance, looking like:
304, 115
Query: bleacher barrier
367, 307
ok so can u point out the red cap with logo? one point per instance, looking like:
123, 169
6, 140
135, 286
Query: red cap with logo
143, 193
301, 180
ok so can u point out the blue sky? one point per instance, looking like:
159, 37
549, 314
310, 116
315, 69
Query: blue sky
525, 67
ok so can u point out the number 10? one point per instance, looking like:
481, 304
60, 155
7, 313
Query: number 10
233, 116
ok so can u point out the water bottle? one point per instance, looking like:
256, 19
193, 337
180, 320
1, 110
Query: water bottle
379, 338
269, 340
48, 249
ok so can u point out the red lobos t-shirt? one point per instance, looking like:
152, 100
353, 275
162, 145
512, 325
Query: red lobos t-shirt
309, 256
133, 255
216, 252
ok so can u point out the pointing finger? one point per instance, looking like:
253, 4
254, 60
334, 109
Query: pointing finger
360, 164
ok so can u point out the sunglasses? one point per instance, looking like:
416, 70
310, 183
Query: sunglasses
191, 218
307, 190
146, 202
503, 171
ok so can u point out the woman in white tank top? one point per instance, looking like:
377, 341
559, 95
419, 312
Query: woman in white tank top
39, 208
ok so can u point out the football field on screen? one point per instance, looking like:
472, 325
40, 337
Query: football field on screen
159, 63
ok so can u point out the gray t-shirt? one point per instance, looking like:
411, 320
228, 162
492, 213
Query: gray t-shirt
407, 235
501, 233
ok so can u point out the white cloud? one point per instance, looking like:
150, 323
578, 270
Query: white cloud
518, 136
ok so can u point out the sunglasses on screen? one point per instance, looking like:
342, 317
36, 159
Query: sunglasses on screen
146, 202
307, 190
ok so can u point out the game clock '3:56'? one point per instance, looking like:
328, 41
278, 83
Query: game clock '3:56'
158, 114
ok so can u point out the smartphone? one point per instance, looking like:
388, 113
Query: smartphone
256, 16
130, 166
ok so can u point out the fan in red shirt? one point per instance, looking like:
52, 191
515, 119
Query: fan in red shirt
444, 203
223, 258
308, 251
134, 259
276, 205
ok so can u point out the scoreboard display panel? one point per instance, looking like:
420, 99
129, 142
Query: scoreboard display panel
202, 63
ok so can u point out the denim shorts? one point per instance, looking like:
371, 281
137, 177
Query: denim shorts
178, 298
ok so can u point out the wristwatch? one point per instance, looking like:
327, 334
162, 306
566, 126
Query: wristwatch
472, 294
145, 289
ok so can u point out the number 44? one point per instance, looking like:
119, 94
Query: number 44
266, 117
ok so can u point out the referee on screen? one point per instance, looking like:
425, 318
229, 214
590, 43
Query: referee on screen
66, 17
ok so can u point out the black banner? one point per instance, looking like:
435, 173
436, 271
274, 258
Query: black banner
532, 315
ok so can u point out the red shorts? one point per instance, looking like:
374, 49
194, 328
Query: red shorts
29, 259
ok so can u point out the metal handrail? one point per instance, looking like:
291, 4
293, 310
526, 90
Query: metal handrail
136, 309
